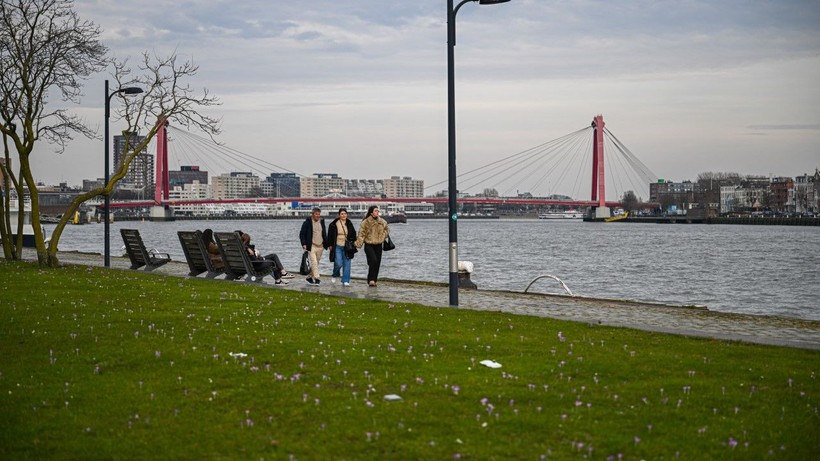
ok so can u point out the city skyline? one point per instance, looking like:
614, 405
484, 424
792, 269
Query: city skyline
361, 90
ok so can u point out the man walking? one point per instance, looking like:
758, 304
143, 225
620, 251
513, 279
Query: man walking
313, 236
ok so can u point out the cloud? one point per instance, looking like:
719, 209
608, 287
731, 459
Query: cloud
325, 79
795, 126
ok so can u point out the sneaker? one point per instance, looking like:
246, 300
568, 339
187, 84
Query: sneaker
371, 283
287, 275
347, 284
310, 281
317, 281
280, 282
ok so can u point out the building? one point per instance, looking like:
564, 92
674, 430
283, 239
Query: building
672, 196
405, 187
281, 185
3, 164
320, 185
91, 184
140, 174
235, 185
191, 191
186, 175
782, 190
806, 193
364, 188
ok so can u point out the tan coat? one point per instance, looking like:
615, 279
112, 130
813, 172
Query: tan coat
372, 231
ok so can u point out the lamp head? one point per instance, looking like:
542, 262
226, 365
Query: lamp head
131, 90
491, 2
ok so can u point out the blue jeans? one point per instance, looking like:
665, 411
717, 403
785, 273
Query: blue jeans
341, 264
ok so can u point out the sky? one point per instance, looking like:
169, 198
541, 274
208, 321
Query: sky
359, 87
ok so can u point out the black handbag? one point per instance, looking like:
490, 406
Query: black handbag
388, 244
350, 249
304, 268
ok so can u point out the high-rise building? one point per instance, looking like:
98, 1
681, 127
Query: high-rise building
140, 174
187, 175
403, 187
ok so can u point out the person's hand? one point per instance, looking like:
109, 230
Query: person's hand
304, 247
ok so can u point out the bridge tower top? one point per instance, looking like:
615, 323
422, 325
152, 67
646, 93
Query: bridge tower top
161, 178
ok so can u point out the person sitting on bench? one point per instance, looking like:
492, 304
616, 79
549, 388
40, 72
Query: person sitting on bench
270, 260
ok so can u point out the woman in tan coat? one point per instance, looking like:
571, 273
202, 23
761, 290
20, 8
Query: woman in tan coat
372, 233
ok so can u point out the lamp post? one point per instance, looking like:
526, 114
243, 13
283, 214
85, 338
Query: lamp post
452, 192
128, 90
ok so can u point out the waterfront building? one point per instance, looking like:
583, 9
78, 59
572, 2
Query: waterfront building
320, 184
281, 185
806, 193
405, 187
782, 189
187, 175
235, 185
672, 196
191, 191
140, 175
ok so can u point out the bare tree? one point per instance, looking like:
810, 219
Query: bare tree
166, 97
630, 201
45, 50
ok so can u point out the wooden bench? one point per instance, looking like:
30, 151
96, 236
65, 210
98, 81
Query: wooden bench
139, 256
236, 259
196, 254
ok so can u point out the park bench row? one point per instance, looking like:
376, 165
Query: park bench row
236, 260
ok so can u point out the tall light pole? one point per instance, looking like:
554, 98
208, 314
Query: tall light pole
128, 90
452, 192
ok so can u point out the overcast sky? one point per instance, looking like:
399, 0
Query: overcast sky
358, 87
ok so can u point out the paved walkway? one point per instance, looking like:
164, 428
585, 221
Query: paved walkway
652, 317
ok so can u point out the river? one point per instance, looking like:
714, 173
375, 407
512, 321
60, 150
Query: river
768, 270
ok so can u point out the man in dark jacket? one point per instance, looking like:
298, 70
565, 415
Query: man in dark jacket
313, 237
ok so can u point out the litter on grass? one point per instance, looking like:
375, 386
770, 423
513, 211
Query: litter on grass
490, 364
392, 397
237, 355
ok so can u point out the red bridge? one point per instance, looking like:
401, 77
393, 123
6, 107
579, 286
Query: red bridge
551, 163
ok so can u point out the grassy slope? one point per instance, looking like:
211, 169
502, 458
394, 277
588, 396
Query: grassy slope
106, 364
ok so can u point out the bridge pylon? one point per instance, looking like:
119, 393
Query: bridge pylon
598, 176
160, 211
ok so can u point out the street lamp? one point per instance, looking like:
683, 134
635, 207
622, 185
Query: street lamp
451, 131
128, 90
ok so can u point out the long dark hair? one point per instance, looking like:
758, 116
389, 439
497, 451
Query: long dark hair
370, 211
208, 236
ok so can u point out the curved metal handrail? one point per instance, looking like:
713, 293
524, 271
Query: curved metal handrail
563, 285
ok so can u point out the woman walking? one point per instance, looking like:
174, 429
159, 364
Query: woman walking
372, 233
339, 231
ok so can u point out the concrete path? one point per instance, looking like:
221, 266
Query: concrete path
644, 316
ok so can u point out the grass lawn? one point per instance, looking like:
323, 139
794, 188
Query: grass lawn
111, 364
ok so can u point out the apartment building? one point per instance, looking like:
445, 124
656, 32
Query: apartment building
403, 187
234, 185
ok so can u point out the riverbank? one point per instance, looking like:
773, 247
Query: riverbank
755, 221
665, 318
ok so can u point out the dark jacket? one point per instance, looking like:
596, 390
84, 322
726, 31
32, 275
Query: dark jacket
332, 233
306, 233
